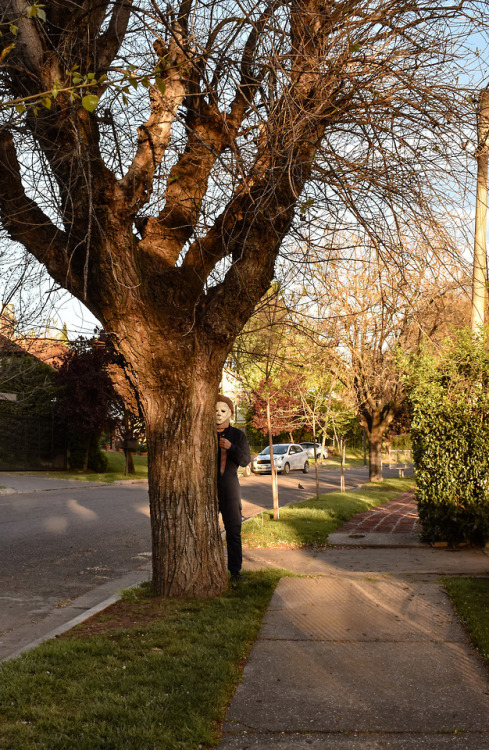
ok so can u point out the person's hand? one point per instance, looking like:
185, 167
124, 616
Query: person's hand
223, 443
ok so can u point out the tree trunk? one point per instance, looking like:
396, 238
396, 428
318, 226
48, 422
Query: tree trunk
187, 550
375, 454
376, 422
479, 278
129, 463
316, 468
276, 512
87, 453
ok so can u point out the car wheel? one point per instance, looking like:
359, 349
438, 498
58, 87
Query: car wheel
286, 469
247, 471
306, 467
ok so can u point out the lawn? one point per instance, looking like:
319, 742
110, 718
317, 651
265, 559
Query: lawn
470, 598
146, 673
115, 471
308, 523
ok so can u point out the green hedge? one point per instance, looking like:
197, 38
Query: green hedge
449, 401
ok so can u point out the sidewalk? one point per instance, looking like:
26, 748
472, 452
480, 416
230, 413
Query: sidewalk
373, 527
365, 653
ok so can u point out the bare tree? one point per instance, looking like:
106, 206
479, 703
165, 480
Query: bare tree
169, 232
371, 310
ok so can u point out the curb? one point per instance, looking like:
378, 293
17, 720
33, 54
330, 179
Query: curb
117, 586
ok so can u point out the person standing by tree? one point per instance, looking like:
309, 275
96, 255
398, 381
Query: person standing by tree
233, 451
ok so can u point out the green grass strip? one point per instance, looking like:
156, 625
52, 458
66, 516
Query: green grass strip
470, 598
115, 470
162, 682
308, 523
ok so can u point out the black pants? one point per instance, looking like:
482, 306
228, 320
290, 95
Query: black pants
233, 544
230, 509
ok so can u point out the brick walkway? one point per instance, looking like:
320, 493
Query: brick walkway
397, 517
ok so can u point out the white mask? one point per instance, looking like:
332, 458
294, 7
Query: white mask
223, 413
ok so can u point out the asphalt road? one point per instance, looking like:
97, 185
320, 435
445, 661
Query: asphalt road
61, 539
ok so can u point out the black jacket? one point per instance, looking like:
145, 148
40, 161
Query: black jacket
228, 489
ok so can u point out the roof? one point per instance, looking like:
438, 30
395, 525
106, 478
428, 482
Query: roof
9, 348
50, 351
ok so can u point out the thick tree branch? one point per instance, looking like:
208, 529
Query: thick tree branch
154, 135
27, 223
108, 43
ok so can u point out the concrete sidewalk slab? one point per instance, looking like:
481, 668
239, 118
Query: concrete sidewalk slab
370, 608
382, 660
333, 561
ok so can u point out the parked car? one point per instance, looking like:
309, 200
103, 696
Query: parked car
286, 457
309, 448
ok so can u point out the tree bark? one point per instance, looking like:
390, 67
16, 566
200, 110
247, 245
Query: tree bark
375, 455
87, 453
276, 511
479, 277
376, 421
188, 556
129, 463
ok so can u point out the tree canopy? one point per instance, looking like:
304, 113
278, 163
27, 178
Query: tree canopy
176, 150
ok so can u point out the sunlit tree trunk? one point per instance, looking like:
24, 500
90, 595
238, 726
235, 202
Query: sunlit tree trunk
479, 280
188, 557
276, 511
375, 456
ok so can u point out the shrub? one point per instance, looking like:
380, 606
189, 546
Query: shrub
449, 402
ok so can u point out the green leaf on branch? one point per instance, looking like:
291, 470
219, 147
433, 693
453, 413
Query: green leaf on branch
161, 85
89, 102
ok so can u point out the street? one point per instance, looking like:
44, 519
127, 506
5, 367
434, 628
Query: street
64, 538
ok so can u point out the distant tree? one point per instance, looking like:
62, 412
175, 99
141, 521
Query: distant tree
30, 381
369, 309
85, 402
282, 397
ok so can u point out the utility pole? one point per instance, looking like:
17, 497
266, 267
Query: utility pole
479, 279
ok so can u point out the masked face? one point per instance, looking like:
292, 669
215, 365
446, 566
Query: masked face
223, 413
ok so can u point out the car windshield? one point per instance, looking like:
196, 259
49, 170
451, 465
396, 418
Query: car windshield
278, 450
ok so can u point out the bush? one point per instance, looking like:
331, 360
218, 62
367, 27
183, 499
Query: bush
449, 402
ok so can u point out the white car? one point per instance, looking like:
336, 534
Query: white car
286, 457
309, 448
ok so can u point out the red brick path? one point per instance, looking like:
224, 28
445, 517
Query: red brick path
397, 517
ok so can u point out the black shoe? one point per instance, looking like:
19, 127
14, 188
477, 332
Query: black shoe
236, 578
